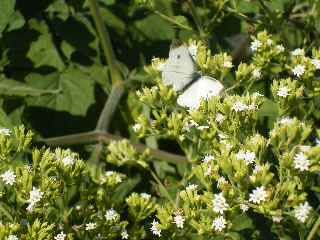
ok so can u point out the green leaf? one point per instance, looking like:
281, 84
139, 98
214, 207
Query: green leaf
6, 11
17, 21
241, 222
14, 88
108, 2
76, 95
43, 51
124, 189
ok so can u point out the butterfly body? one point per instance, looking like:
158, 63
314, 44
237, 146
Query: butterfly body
180, 71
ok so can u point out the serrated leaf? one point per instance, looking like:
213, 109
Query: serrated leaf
43, 51
76, 95
6, 11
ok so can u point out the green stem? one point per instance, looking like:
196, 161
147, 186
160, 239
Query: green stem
105, 42
171, 20
196, 19
313, 232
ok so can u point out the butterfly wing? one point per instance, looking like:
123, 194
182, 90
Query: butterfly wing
204, 88
179, 69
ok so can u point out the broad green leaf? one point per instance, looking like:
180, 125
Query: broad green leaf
4, 119
11, 87
43, 51
6, 11
241, 222
76, 91
17, 21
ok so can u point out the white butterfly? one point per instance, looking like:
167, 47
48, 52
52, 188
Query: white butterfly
180, 71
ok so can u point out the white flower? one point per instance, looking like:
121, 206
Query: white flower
35, 196
256, 73
222, 136
91, 226
5, 131
190, 124
257, 94
111, 215
302, 211
193, 49
301, 162
277, 219
257, 168
219, 203
124, 234
178, 219
208, 158
219, 118
244, 207
155, 228
316, 63
192, 187
299, 70
255, 45
298, 52
109, 173
221, 181
286, 120
13, 237
60, 236
8, 177
202, 127
283, 92
280, 48
239, 106
219, 224
68, 160
137, 127
145, 195
227, 64
258, 195
247, 156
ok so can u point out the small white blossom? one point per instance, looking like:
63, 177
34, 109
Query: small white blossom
137, 127
178, 219
247, 156
145, 195
5, 131
257, 168
219, 223
190, 124
316, 63
13, 237
227, 64
244, 207
255, 45
124, 234
239, 106
111, 215
286, 120
192, 187
258, 195
68, 160
219, 203
256, 73
280, 48
91, 226
298, 52
219, 118
202, 127
60, 236
283, 92
208, 158
301, 162
302, 211
35, 196
299, 70
155, 228
8, 177
193, 49
257, 94
277, 219
221, 181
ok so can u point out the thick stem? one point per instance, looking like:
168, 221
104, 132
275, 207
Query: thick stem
313, 232
100, 136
